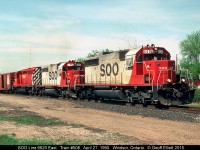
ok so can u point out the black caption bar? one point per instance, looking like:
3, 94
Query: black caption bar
101, 147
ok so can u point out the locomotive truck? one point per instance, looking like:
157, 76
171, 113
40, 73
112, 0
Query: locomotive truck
142, 76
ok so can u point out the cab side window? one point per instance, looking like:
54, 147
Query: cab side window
129, 63
139, 58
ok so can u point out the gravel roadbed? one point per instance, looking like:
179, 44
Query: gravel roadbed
143, 111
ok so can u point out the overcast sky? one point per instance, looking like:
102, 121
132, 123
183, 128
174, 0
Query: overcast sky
59, 30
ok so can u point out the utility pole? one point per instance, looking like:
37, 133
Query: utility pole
30, 55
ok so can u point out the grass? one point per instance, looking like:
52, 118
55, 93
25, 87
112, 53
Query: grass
10, 139
29, 118
32, 120
197, 95
7, 139
38, 121
194, 104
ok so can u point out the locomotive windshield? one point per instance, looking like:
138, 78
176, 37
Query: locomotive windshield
155, 54
152, 57
155, 57
74, 67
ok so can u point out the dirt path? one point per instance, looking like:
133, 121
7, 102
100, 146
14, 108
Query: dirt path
146, 129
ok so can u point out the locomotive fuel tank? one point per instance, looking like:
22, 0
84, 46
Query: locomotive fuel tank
110, 94
51, 92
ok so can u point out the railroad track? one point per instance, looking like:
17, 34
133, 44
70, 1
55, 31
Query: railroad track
181, 113
171, 108
185, 109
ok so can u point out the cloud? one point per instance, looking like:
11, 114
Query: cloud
69, 29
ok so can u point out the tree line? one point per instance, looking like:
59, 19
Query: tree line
190, 50
93, 54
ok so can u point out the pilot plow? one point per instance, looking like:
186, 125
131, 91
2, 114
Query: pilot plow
177, 94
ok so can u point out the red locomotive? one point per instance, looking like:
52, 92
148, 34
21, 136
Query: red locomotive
142, 76
23, 81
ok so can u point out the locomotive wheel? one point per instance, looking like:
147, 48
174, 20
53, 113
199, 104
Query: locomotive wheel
40, 93
63, 96
143, 102
67, 96
165, 97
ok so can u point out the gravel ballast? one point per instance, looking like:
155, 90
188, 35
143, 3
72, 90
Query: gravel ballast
142, 111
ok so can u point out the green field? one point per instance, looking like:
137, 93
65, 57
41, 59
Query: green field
10, 139
21, 117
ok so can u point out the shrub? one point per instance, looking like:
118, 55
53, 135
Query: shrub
197, 95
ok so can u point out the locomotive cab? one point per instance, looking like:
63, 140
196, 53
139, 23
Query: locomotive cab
154, 76
159, 71
152, 67
157, 66
72, 73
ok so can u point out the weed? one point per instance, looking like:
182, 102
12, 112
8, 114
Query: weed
33, 120
10, 139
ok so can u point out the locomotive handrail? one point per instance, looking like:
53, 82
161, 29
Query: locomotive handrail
160, 73
149, 74
158, 77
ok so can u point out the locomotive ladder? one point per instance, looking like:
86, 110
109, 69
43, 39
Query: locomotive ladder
150, 82
164, 77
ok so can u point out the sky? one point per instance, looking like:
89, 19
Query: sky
41, 32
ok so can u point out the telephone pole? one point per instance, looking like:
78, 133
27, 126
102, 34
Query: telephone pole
30, 55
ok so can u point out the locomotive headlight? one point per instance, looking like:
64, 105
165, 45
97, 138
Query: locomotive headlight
169, 80
183, 80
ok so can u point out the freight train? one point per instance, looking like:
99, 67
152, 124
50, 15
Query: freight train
146, 76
